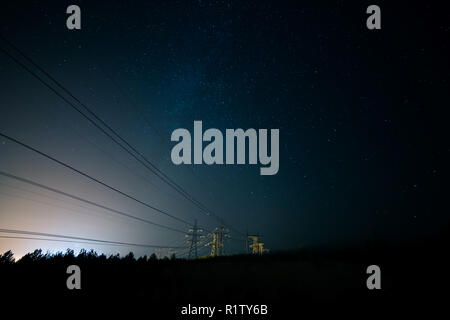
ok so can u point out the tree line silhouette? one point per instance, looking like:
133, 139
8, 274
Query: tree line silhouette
411, 272
37, 256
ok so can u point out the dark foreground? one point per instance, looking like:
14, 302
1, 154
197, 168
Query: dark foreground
412, 277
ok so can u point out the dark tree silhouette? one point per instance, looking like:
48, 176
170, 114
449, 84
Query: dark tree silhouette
7, 258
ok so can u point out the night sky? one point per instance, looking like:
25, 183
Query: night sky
363, 133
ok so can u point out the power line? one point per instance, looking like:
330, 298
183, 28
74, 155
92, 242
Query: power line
68, 102
131, 102
152, 167
13, 195
112, 157
55, 240
85, 116
86, 201
43, 234
93, 179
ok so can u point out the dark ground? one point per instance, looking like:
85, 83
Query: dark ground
412, 276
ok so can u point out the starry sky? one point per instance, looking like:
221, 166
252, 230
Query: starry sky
363, 136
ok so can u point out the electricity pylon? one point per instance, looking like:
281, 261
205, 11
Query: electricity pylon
218, 241
256, 246
194, 235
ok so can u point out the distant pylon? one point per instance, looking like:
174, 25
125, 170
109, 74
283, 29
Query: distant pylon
256, 246
218, 241
194, 235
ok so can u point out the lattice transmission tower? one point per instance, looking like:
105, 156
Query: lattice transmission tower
194, 235
217, 243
